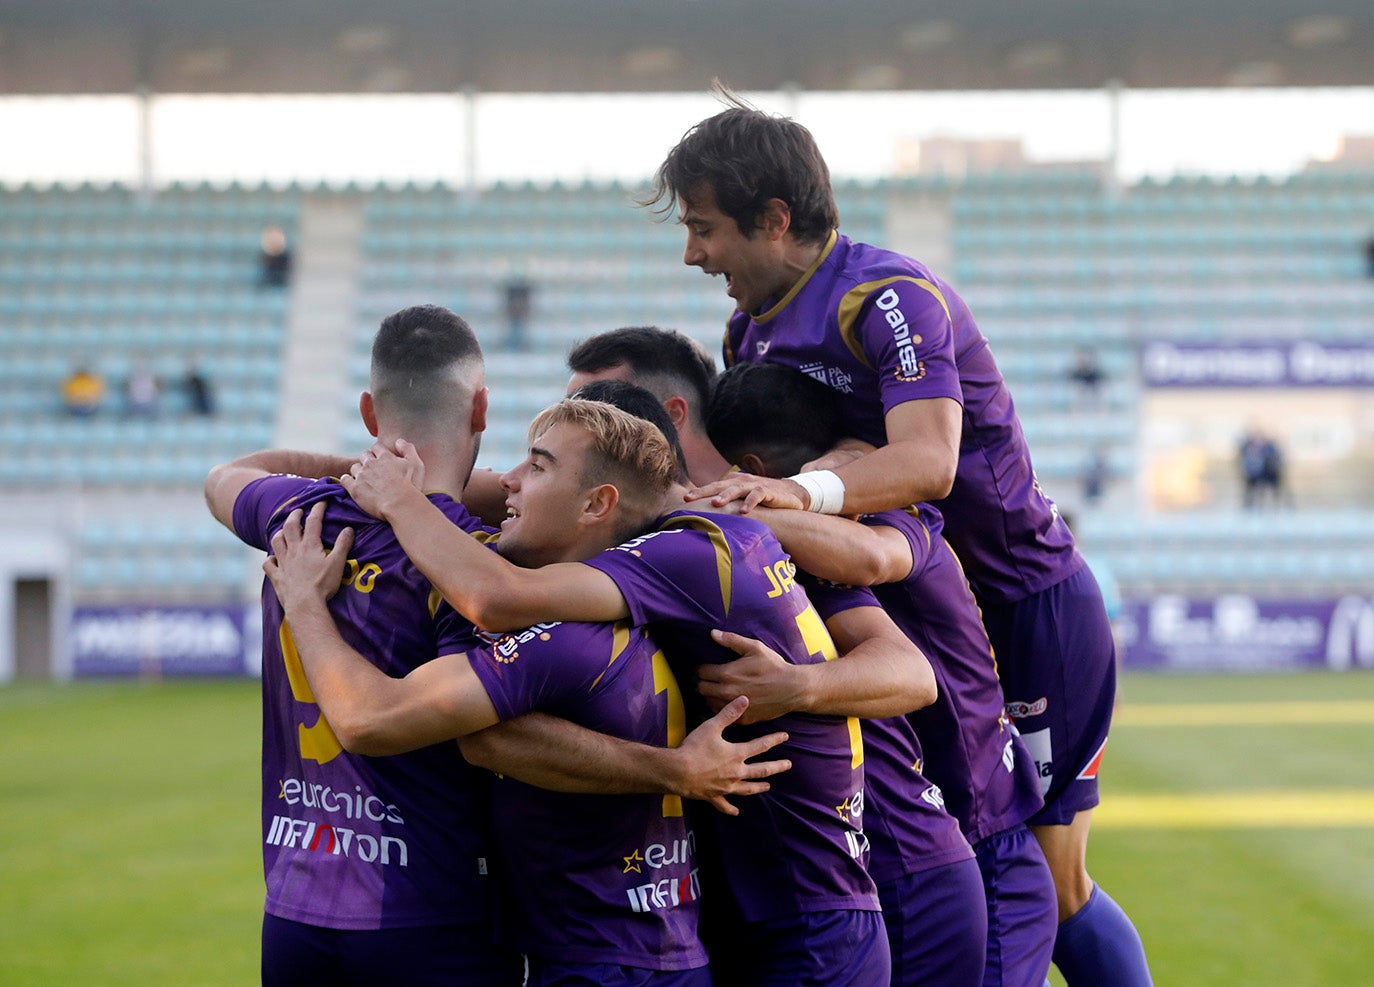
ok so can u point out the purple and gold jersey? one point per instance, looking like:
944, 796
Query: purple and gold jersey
972, 750
881, 329
353, 842
905, 820
594, 878
799, 847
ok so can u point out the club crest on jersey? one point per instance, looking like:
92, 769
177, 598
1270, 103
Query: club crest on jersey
1019, 711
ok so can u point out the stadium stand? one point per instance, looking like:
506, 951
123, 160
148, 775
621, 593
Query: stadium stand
1050, 261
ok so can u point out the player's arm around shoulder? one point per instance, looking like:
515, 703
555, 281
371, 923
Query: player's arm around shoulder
369, 711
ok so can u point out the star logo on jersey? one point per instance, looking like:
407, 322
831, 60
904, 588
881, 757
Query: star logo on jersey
845, 809
632, 863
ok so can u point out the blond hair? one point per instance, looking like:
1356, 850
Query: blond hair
628, 452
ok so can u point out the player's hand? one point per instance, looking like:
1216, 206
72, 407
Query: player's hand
301, 569
383, 478
844, 453
717, 768
752, 491
772, 684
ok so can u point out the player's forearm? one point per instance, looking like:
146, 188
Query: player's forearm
472, 578
833, 548
898, 475
559, 755
879, 677
297, 462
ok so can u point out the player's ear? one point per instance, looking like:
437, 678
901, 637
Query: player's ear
676, 406
369, 413
751, 463
480, 403
776, 219
601, 504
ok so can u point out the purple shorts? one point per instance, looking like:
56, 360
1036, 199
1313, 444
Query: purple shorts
1057, 662
294, 953
937, 926
843, 948
1023, 915
612, 975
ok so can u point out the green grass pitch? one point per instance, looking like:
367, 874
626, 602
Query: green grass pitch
128, 834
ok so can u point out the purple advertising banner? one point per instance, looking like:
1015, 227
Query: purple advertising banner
1244, 633
1301, 363
159, 640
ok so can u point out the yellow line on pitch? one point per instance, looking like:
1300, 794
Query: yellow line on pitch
1314, 809
1228, 714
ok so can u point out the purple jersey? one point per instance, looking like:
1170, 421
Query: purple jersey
881, 329
594, 878
905, 820
972, 750
698, 572
353, 842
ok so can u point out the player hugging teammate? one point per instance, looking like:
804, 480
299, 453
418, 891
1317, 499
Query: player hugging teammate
866, 582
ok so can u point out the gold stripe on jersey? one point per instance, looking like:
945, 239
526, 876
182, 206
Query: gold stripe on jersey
724, 562
854, 299
620, 640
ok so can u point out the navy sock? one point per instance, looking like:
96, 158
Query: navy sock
1099, 947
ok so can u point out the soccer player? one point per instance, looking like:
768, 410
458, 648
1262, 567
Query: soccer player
603, 888
917, 381
669, 365
771, 419
809, 914
934, 905
376, 868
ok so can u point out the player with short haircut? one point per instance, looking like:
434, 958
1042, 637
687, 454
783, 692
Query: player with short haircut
672, 367
376, 868
771, 419
916, 380
600, 889
934, 907
809, 915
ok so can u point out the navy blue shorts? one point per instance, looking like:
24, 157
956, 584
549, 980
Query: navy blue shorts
298, 955
1057, 662
1023, 914
845, 948
611, 975
937, 926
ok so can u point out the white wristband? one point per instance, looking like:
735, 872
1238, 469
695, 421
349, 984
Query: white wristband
825, 489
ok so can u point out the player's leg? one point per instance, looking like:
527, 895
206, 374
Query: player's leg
1097, 942
452, 955
1022, 918
843, 948
936, 924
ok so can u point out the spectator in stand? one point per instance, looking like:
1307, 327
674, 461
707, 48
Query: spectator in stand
142, 390
1261, 465
83, 392
275, 258
200, 396
1087, 376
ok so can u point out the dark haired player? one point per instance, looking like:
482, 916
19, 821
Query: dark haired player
771, 419
376, 868
916, 380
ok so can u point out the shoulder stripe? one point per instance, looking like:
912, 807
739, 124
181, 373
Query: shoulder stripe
854, 299
724, 560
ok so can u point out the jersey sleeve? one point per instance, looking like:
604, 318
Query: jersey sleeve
903, 328
680, 575
911, 526
262, 500
545, 665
